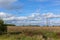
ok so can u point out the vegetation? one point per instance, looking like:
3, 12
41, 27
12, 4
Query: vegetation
34, 33
10, 25
3, 27
28, 33
31, 36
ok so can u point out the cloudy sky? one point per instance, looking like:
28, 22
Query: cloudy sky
33, 12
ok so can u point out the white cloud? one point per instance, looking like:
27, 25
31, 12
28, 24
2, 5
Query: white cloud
50, 15
34, 19
21, 19
4, 15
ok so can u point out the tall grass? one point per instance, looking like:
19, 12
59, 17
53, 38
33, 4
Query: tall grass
31, 33
26, 35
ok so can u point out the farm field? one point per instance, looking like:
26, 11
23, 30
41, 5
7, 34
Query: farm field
23, 37
29, 19
31, 33
21, 28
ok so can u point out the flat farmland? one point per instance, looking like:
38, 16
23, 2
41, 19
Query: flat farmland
31, 33
21, 28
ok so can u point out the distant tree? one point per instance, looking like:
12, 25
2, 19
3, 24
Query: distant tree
1, 22
10, 24
3, 27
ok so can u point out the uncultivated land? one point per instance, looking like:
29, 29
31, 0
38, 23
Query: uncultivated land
31, 33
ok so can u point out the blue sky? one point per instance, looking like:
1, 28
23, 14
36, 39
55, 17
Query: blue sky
24, 7
29, 8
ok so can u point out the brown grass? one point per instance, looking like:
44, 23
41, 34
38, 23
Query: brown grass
31, 31
20, 29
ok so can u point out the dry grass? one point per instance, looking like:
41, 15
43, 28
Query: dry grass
33, 33
19, 29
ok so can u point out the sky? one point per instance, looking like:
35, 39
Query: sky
30, 12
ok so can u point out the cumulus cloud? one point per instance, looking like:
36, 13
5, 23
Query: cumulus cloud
4, 15
34, 19
51, 15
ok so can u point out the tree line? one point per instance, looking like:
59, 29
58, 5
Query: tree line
3, 27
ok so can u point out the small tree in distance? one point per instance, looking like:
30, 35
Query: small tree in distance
3, 27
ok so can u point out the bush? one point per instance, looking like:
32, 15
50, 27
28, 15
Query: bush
3, 27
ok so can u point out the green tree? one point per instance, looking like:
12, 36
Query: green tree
3, 27
10, 24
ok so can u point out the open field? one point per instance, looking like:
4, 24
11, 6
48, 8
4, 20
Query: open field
24, 37
31, 33
15, 28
